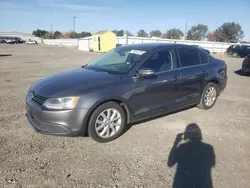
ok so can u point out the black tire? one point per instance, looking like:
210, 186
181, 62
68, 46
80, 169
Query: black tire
91, 127
202, 103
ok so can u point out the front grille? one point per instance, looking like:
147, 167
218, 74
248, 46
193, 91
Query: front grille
38, 98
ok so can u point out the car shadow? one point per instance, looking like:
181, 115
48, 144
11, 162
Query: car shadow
194, 159
5, 55
129, 126
241, 73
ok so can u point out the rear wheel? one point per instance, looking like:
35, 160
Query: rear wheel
107, 122
209, 96
235, 54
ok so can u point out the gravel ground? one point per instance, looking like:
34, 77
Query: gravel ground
136, 159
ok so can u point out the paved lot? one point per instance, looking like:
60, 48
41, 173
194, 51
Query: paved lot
138, 158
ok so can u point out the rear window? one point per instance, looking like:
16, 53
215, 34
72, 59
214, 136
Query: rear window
204, 57
248, 47
189, 57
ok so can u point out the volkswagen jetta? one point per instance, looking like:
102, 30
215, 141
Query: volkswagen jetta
125, 85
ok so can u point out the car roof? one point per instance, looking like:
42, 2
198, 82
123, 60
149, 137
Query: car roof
152, 46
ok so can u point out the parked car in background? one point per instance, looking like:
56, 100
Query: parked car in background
207, 51
14, 41
238, 50
246, 64
2, 41
31, 42
125, 85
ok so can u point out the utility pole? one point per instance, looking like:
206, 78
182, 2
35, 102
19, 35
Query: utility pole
51, 28
185, 36
74, 20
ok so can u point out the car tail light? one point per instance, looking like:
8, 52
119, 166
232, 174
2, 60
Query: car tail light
246, 60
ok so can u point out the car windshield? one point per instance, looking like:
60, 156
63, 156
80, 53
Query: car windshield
119, 60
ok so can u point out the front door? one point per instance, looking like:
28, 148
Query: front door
159, 92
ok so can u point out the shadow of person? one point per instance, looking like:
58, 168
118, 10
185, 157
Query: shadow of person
194, 159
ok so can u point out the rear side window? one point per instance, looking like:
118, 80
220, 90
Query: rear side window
189, 57
204, 57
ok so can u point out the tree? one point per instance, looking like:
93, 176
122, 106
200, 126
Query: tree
211, 37
155, 33
39, 32
119, 33
128, 33
142, 33
83, 34
173, 34
57, 35
70, 35
197, 32
229, 32
48, 35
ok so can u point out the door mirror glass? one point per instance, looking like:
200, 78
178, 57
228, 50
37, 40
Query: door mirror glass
145, 72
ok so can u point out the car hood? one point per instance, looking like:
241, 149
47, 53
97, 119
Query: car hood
73, 83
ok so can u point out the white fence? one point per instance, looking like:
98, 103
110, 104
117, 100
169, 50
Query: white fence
62, 42
86, 44
211, 46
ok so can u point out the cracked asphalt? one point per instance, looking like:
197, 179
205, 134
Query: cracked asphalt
139, 158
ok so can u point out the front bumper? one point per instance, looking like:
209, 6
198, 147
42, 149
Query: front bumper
64, 122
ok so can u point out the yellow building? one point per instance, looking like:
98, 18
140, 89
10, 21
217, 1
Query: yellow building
104, 41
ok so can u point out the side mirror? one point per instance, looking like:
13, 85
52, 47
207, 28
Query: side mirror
145, 72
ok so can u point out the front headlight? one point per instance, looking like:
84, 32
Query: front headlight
61, 103
29, 95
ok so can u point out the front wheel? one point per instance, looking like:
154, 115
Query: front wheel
209, 96
107, 122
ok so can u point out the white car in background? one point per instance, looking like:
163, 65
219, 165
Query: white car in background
30, 42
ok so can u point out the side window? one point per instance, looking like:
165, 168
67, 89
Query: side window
204, 57
161, 61
189, 57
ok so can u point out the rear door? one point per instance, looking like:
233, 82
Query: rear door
193, 75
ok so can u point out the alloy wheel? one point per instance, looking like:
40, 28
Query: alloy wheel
210, 96
108, 123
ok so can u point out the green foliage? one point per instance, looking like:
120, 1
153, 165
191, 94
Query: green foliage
128, 33
39, 32
155, 33
83, 34
119, 33
173, 34
48, 35
229, 32
70, 35
198, 32
142, 33
57, 35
